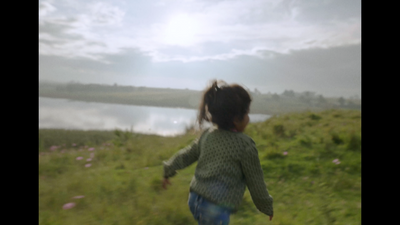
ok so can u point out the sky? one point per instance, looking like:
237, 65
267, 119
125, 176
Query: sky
268, 45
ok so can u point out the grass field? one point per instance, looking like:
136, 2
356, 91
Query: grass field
311, 163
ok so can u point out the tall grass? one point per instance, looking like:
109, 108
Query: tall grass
68, 139
311, 163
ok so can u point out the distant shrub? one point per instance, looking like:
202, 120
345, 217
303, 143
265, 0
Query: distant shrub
354, 143
329, 146
120, 167
279, 130
337, 115
336, 139
292, 133
305, 141
314, 117
101, 155
121, 137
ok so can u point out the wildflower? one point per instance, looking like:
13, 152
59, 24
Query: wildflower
52, 148
89, 159
69, 205
91, 155
88, 165
79, 196
336, 161
73, 144
284, 153
146, 168
79, 158
91, 149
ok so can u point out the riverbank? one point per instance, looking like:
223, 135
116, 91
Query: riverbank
311, 163
190, 99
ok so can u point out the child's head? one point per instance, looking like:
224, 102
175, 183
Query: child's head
225, 105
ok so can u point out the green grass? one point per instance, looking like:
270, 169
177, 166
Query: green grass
66, 138
123, 183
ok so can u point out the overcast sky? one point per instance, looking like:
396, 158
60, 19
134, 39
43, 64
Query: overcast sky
271, 45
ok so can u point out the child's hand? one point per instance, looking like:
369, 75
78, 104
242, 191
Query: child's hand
165, 182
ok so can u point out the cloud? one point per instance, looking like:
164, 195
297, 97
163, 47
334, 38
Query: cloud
244, 25
328, 10
106, 14
247, 25
45, 8
125, 65
330, 71
82, 34
273, 44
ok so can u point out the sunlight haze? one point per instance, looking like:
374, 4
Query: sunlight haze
271, 45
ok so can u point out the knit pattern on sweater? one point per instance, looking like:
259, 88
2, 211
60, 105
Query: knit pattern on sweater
227, 162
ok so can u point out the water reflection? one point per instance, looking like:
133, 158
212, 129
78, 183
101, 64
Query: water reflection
67, 114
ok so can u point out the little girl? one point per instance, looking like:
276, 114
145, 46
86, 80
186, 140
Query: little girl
227, 159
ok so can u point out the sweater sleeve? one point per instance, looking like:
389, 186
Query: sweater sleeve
254, 177
184, 158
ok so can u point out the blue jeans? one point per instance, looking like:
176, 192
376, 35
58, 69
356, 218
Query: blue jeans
207, 213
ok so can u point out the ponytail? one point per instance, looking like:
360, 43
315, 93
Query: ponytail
220, 104
209, 97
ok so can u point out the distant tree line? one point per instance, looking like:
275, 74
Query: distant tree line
74, 87
308, 98
312, 99
288, 100
78, 87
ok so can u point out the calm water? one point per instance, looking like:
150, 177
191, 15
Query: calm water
68, 114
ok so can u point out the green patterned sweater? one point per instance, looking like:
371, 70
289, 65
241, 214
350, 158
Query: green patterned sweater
227, 163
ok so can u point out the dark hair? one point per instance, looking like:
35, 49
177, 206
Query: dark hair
221, 104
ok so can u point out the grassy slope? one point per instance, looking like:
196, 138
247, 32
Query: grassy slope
122, 186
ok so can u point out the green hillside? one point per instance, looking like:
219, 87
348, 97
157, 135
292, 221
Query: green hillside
311, 163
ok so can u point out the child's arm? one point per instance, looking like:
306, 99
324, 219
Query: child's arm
184, 158
255, 181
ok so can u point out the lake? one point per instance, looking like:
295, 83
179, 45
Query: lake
79, 115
